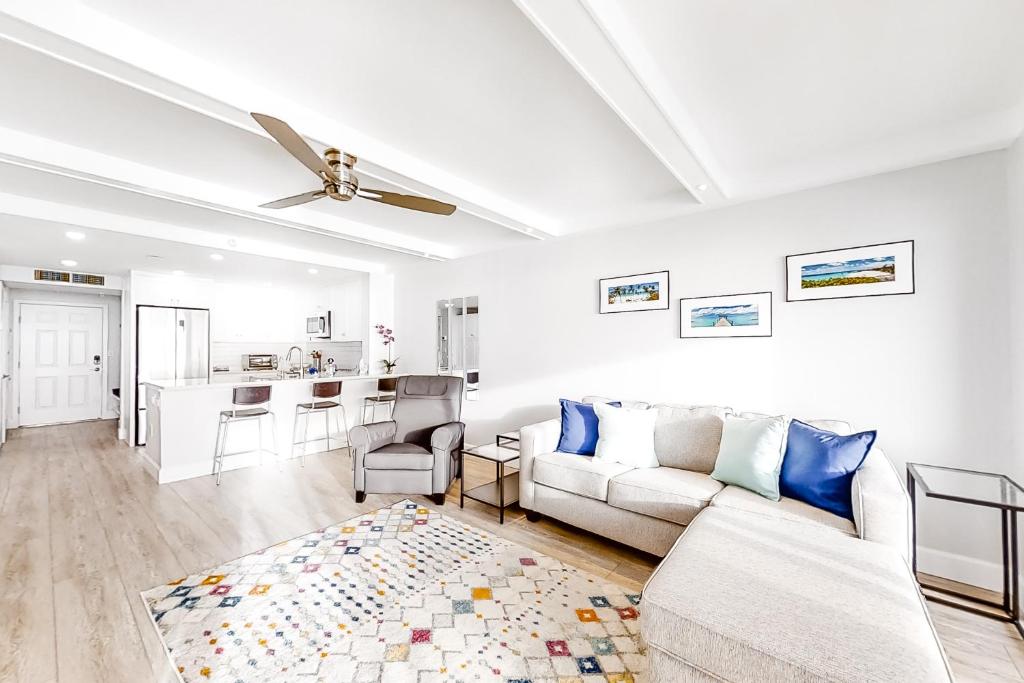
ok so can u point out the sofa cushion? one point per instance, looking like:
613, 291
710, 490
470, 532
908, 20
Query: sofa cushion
667, 493
626, 435
746, 597
819, 466
688, 438
399, 456
625, 404
579, 474
751, 453
579, 427
739, 498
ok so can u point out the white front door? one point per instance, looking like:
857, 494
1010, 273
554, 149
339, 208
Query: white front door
61, 363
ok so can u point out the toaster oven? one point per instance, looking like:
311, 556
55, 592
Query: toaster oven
252, 362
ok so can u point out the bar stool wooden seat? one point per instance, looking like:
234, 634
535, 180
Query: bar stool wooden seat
324, 391
386, 395
258, 397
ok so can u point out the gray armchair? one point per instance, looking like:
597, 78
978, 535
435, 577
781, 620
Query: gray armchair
417, 451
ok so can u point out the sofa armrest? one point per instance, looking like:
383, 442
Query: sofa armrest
534, 439
881, 506
365, 439
444, 441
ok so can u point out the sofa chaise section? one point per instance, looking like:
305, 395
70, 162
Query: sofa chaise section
752, 597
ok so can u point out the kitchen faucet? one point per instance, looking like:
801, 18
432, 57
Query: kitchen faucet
288, 357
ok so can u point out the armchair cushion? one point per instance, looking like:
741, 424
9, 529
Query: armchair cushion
399, 456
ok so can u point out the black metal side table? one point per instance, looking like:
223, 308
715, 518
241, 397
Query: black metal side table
985, 489
492, 493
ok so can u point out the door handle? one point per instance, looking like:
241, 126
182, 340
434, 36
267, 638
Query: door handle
95, 369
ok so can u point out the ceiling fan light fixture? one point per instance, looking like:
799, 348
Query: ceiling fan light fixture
334, 169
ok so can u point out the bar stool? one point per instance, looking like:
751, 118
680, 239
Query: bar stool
321, 390
386, 388
258, 398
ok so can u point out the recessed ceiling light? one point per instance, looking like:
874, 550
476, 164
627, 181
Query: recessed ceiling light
232, 242
73, 235
217, 257
68, 263
313, 271
177, 272
702, 187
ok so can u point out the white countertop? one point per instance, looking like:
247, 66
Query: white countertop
239, 379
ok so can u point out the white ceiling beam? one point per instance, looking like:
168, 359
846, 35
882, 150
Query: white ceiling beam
66, 214
144, 62
49, 156
578, 31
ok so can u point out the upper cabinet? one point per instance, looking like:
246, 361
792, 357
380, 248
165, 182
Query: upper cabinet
254, 313
347, 303
168, 290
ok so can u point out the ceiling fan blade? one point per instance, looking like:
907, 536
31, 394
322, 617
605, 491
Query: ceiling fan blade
294, 201
407, 201
296, 146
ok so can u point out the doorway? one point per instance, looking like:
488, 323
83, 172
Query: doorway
60, 363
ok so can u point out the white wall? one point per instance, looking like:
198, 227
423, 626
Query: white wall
928, 370
1015, 196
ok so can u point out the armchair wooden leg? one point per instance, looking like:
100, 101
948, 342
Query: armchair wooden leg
360, 496
532, 516
437, 498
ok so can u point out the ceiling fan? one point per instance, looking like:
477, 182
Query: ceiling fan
335, 171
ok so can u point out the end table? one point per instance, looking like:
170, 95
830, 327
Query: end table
503, 451
984, 489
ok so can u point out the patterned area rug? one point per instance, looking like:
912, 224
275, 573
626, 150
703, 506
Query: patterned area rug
400, 594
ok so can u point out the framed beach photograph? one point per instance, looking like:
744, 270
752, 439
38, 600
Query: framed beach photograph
873, 270
628, 293
730, 315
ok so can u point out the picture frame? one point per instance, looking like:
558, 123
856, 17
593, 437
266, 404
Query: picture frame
726, 315
632, 293
884, 269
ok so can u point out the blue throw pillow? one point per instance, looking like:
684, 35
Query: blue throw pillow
579, 427
819, 466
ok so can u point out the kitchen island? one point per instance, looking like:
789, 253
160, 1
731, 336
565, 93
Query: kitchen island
181, 432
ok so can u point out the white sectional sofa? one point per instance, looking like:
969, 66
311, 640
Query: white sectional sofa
755, 590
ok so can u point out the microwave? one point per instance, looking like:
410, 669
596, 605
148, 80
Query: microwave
319, 326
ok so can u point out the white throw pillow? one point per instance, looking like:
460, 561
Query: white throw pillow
626, 435
751, 453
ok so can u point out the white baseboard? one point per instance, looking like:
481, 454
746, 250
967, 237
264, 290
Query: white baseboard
166, 475
960, 568
147, 463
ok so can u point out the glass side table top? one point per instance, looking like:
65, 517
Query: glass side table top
982, 488
493, 452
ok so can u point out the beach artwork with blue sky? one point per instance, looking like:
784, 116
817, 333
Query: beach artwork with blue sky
854, 272
634, 293
724, 316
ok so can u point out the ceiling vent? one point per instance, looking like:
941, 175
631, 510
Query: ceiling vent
73, 278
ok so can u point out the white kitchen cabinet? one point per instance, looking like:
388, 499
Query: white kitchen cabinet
258, 314
167, 290
348, 306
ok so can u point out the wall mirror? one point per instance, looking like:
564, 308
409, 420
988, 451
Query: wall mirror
458, 342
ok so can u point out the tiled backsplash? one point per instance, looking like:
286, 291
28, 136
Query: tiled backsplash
345, 354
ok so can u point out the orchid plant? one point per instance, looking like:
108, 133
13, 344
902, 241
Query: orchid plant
387, 336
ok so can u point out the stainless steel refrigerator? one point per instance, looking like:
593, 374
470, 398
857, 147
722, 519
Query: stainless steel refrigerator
170, 344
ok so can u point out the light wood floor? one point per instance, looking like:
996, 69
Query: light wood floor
83, 529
